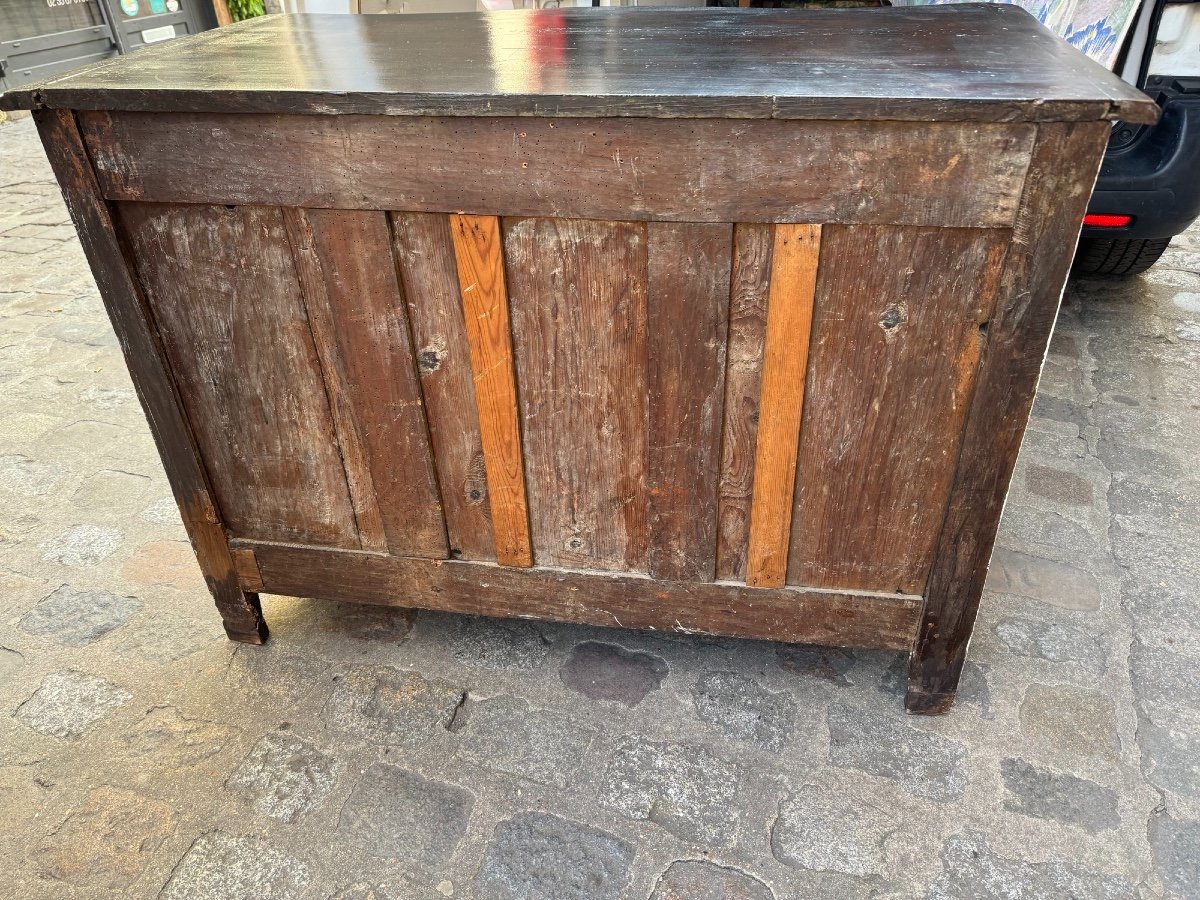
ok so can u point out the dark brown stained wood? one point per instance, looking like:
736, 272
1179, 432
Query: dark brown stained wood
957, 63
479, 255
1065, 162
892, 367
617, 169
795, 250
238, 340
424, 252
360, 326
246, 565
687, 322
743, 382
150, 373
578, 292
837, 618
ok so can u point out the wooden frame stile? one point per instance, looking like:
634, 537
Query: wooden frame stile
1049, 215
149, 369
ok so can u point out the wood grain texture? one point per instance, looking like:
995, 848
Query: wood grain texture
480, 258
424, 251
835, 618
151, 374
892, 366
360, 326
239, 344
612, 169
961, 63
578, 291
687, 323
794, 256
1065, 163
750, 280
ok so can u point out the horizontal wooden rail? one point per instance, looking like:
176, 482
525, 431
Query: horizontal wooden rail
796, 615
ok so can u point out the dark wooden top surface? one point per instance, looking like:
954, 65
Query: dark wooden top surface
967, 62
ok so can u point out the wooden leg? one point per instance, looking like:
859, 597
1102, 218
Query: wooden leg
934, 669
243, 619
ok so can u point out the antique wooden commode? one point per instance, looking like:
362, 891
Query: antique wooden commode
715, 321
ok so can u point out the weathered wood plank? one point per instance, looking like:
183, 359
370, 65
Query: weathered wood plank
479, 253
578, 292
617, 169
894, 353
150, 372
240, 348
360, 324
794, 255
1065, 162
687, 323
424, 252
743, 384
836, 618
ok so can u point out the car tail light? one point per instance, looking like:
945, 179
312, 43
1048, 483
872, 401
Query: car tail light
1106, 221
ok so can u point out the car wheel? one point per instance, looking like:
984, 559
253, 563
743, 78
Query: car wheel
1117, 257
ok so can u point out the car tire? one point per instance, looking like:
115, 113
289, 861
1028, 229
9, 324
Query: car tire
1117, 257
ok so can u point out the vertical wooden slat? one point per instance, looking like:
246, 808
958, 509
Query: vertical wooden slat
478, 252
578, 291
743, 383
237, 335
892, 362
360, 327
794, 256
687, 320
424, 252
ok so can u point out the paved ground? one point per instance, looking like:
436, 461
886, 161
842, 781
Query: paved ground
142, 755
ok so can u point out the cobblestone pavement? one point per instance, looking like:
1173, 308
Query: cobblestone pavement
142, 755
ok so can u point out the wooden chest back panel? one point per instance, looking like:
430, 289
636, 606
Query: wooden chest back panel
630, 379
706, 170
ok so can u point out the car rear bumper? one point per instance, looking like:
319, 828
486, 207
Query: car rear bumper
1153, 172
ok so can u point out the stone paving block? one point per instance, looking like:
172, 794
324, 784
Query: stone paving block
164, 511
881, 743
403, 816
827, 663
1044, 580
973, 871
1051, 641
105, 842
29, 477
390, 705
1070, 720
164, 563
1163, 679
165, 639
1171, 759
692, 879
822, 830
498, 643
231, 867
11, 662
608, 672
174, 740
1044, 794
1175, 844
742, 709
67, 704
82, 545
683, 788
76, 618
507, 735
285, 777
537, 856
111, 489
1058, 485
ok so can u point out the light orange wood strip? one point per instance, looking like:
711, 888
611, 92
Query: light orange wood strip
794, 256
478, 252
